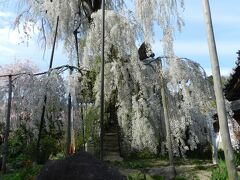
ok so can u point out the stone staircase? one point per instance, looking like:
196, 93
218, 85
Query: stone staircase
111, 145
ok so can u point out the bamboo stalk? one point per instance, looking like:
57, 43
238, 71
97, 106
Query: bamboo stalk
102, 82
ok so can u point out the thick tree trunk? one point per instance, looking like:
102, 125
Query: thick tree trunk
222, 115
166, 116
7, 127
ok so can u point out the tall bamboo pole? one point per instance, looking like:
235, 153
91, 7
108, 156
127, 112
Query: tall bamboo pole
166, 115
45, 98
83, 127
7, 127
221, 109
69, 126
102, 82
54, 43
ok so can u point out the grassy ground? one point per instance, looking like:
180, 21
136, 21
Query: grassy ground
186, 170
192, 169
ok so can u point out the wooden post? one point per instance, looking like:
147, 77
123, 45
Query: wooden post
75, 32
54, 43
166, 115
69, 125
45, 99
221, 109
102, 82
7, 127
83, 127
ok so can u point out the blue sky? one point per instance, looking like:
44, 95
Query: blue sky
190, 43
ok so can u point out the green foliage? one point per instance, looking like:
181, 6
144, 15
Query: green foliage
133, 165
26, 173
144, 154
140, 176
136, 176
237, 158
22, 145
141, 163
91, 134
221, 154
19, 161
49, 146
223, 80
89, 80
60, 155
200, 167
203, 152
19, 141
181, 178
220, 173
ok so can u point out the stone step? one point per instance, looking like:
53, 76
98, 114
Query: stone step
113, 144
111, 134
112, 139
111, 130
112, 156
111, 149
107, 146
111, 153
115, 138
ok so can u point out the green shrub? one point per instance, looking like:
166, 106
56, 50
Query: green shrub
19, 141
221, 154
133, 164
90, 121
136, 176
220, 173
237, 158
181, 178
144, 154
49, 146
60, 155
19, 161
27, 173
140, 176
202, 152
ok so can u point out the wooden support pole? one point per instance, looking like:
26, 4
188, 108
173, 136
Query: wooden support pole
76, 46
45, 99
7, 127
69, 118
40, 129
102, 82
166, 115
54, 44
221, 109
83, 127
